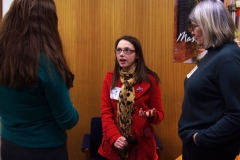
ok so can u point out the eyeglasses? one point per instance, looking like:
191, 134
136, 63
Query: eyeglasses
126, 51
192, 27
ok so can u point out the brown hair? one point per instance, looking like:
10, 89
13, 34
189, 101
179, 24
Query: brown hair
141, 71
30, 28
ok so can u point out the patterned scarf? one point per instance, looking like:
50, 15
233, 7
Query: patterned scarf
125, 107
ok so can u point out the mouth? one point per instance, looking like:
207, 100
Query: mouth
122, 61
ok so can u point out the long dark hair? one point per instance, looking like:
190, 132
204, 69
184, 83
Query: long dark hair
141, 71
30, 28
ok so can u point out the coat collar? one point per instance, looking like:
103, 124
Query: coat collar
139, 89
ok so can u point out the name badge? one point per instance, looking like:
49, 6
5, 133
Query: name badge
114, 93
194, 69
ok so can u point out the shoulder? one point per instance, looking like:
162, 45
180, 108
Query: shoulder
45, 62
216, 57
46, 69
229, 51
222, 58
152, 78
110, 72
44, 58
109, 75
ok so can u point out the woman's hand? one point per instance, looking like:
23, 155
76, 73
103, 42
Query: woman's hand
147, 114
120, 143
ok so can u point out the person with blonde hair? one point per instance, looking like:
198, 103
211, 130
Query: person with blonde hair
209, 125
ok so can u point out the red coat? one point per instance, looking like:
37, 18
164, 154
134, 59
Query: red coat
145, 98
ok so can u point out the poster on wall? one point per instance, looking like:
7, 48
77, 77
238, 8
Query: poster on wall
233, 7
185, 47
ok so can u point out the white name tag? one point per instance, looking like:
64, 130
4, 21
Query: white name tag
194, 69
114, 93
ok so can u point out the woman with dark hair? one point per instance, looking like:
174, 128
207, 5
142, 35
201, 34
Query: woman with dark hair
35, 105
131, 101
209, 125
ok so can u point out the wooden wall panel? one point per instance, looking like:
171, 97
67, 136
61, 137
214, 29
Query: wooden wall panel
89, 29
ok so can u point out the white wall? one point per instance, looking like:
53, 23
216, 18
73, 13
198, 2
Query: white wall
5, 4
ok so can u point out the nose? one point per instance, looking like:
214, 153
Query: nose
121, 53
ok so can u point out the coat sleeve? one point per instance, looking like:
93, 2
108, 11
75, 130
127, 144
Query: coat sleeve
110, 130
156, 102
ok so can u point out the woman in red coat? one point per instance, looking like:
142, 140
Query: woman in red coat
131, 101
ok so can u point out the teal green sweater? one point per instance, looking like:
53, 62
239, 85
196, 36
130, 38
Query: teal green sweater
39, 117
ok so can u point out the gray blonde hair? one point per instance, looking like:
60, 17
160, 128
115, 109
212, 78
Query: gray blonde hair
215, 21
